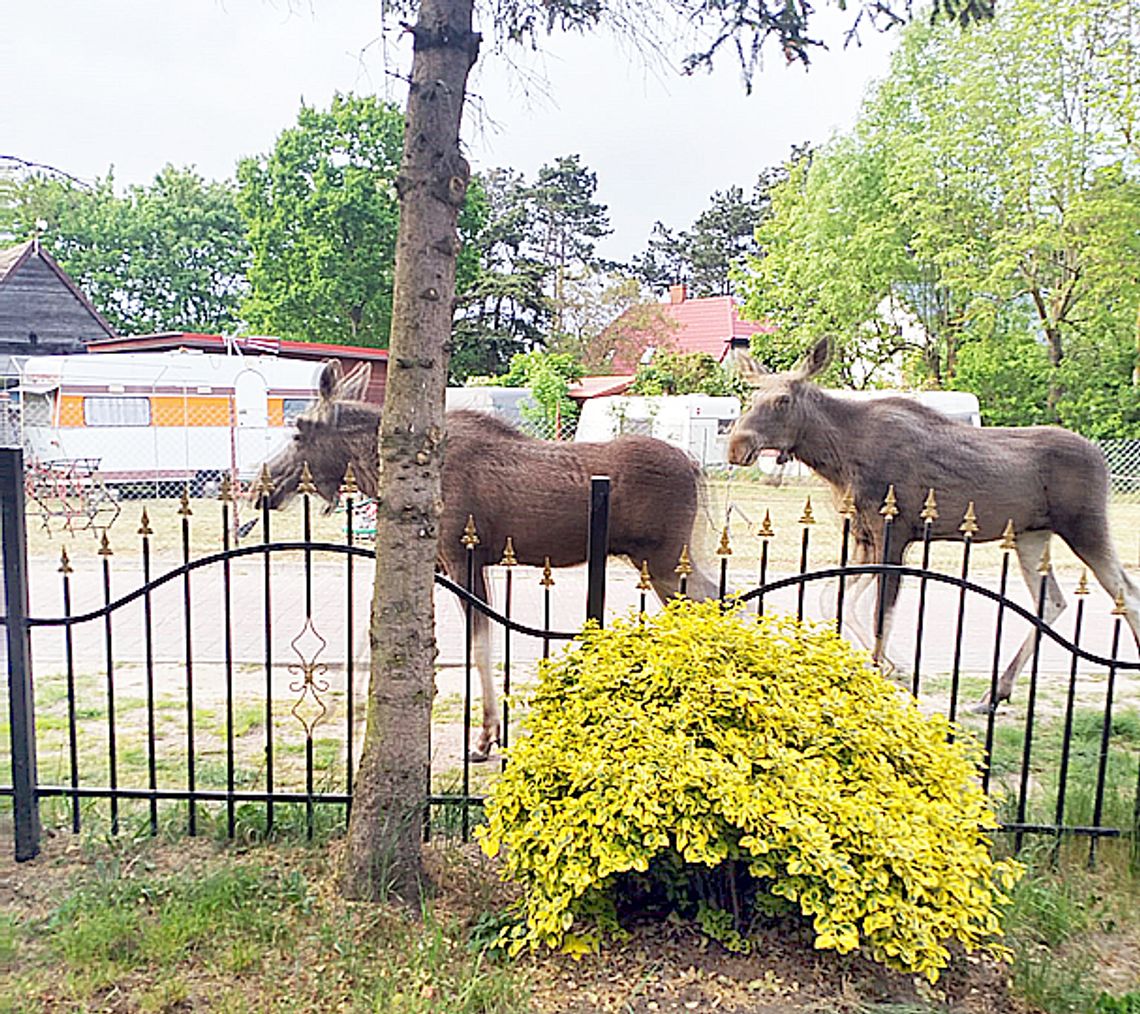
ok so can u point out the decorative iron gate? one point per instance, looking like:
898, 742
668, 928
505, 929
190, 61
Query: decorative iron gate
221, 694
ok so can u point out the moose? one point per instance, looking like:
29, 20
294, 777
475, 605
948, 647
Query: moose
1040, 479
534, 491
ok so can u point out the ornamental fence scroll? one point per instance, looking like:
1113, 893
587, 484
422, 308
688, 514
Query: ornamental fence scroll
220, 691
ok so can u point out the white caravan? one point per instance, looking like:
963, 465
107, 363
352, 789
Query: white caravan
141, 419
697, 423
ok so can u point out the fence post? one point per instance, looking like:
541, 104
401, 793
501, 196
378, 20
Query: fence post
597, 547
25, 807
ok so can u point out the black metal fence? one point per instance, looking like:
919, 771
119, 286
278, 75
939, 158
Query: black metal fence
222, 695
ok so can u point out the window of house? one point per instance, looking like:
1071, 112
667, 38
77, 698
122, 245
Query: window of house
116, 411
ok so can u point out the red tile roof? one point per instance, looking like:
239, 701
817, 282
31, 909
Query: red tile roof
597, 387
709, 324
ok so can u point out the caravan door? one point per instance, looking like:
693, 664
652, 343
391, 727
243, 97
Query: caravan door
253, 436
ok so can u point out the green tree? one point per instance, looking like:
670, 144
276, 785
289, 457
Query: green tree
384, 837
170, 256
708, 256
686, 373
549, 376
321, 211
567, 222
502, 304
989, 193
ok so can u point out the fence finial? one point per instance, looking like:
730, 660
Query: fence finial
226, 489
969, 525
105, 545
684, 564
1046, 563
306, 486
184, 503
470, 537
847, 504
645, 584
1118, 608
144, 524
1008, 537
509, 559
1082, 584
929, 512
264, 485
724, 549
547, 575
766, 530
890, 508
348, 486
807, 518
64, 562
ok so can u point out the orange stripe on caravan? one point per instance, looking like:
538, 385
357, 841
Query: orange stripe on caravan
275, 410
71, 410
167, 410
197, 410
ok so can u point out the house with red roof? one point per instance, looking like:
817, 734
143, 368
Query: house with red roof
710, 324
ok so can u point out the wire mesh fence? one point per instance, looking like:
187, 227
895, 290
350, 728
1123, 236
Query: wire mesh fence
1123, 457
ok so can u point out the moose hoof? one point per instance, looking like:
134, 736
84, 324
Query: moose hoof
481, 751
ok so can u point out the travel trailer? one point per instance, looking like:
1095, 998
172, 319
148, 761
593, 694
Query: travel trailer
151, 423
960, 405
697, 423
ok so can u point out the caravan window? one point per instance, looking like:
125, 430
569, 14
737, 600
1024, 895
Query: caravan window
293, 407
636, 427
116, 411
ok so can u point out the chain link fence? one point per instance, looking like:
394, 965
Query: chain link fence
1123, 457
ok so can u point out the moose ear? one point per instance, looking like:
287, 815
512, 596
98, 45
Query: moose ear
330, 380
815, 362
354, 386
748, 369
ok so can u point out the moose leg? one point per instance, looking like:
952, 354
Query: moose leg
666, 582
853, 592
873, 639
1031, 548
1097, 551
481, 654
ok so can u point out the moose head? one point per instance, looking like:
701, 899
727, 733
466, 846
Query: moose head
330, 433
780, 409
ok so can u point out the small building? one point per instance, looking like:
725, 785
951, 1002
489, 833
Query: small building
710, 324
42, 311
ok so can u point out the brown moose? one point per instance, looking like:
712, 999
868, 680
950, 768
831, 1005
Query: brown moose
534, 491
1042, 479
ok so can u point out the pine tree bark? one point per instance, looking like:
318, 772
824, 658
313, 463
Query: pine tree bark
383, 853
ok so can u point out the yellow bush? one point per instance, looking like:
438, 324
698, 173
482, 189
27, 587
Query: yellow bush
720, 766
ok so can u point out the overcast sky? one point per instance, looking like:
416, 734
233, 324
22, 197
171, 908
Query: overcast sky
139, 83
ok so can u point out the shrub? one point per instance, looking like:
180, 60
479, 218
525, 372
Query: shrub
707, 763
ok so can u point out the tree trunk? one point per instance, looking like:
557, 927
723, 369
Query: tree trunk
383, 853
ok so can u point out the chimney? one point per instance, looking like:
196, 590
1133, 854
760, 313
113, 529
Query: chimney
677, 293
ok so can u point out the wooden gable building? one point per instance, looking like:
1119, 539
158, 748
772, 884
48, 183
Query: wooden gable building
42, 311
